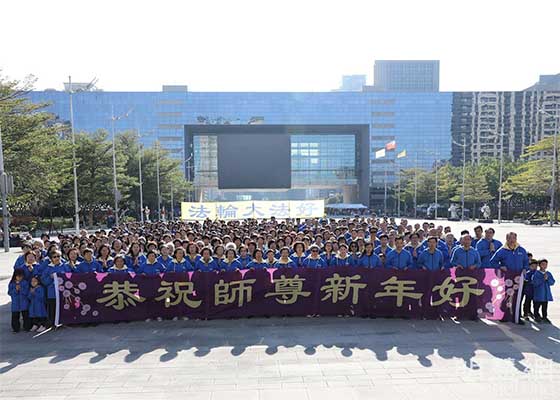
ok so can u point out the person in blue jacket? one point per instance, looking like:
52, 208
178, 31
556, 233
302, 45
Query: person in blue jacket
47, 279
447, 250
151, 266
20, 261
465, 256
244, 256
369, 259
37, 307
164, 258
329, 254
431, 259
384, 246
486, 247
89, 264
29, 266
299, 254
179, 263
528, 291
511, 256
230, 263
134, 259
477, 235
342, 258
399, 258
542, 281
285, 261
258, 261
18, 289
119, 266
270, 258
415, 248
314, 260
206, 263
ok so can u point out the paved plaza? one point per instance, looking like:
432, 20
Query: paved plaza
291, 358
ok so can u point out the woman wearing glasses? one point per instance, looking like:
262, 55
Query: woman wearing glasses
47, 279
314, 260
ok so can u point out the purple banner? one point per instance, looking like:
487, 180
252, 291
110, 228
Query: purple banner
101, 297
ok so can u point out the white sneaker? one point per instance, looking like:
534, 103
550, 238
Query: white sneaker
41, 329
33, 328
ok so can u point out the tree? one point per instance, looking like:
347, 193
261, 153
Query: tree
33, 150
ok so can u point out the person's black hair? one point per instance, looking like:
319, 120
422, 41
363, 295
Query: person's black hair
529, 254
478, 227
230, 250
432, 237
17, 272
543, 260
383, 235
533, 261
465, 232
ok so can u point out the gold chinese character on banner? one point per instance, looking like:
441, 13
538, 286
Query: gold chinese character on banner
230, 292
339, 288
398, 289
448, 289
120, 295
177, 292
287, 290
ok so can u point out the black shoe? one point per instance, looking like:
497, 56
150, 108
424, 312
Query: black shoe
531, 315
538, 319
521, 322
525, 315
546, 320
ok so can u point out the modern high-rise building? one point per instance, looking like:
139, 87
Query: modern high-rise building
341, 142
486, 121
406, 75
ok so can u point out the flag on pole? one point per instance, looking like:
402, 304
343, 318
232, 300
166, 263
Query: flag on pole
401, 154
392, 145
380, 153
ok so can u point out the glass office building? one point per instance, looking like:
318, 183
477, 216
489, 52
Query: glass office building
419, 123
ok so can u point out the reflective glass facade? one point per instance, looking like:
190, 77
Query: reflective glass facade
419, 123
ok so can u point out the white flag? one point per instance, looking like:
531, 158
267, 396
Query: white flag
380, 153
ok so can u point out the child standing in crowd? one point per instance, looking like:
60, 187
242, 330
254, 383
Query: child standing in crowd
528, 290
37, 308
542, 281
18, 289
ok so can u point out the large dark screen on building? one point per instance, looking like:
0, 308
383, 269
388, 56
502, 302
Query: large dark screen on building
254, 161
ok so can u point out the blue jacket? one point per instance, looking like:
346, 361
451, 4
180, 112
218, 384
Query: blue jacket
378, 251
314, 263
289, 264
419, 251
151, 269
541, 287
244, 261
27, 274
166, 263
514, 260
110, 263
129, 261
431, 261
92, 266
235, 264
183, 266
528, 284
398, 260
328, 260
258, 265
37, 308
212, 265
447, 253
298, 260
115, 270
342, 262
465, 258
20, 302
483, 248
372, 261
47, 279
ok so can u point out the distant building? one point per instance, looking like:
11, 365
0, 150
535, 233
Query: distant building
406, 76
352, 83
546, 82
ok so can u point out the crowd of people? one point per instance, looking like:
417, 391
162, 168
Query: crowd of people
159, 247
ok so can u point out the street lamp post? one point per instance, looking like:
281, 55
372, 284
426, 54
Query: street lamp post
76, 204
436, 191
115, 187
5, 214
157, 181
464, 146
140, 177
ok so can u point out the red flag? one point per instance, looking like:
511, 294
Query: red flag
392, 145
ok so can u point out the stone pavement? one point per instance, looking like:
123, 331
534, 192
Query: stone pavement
295, 358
